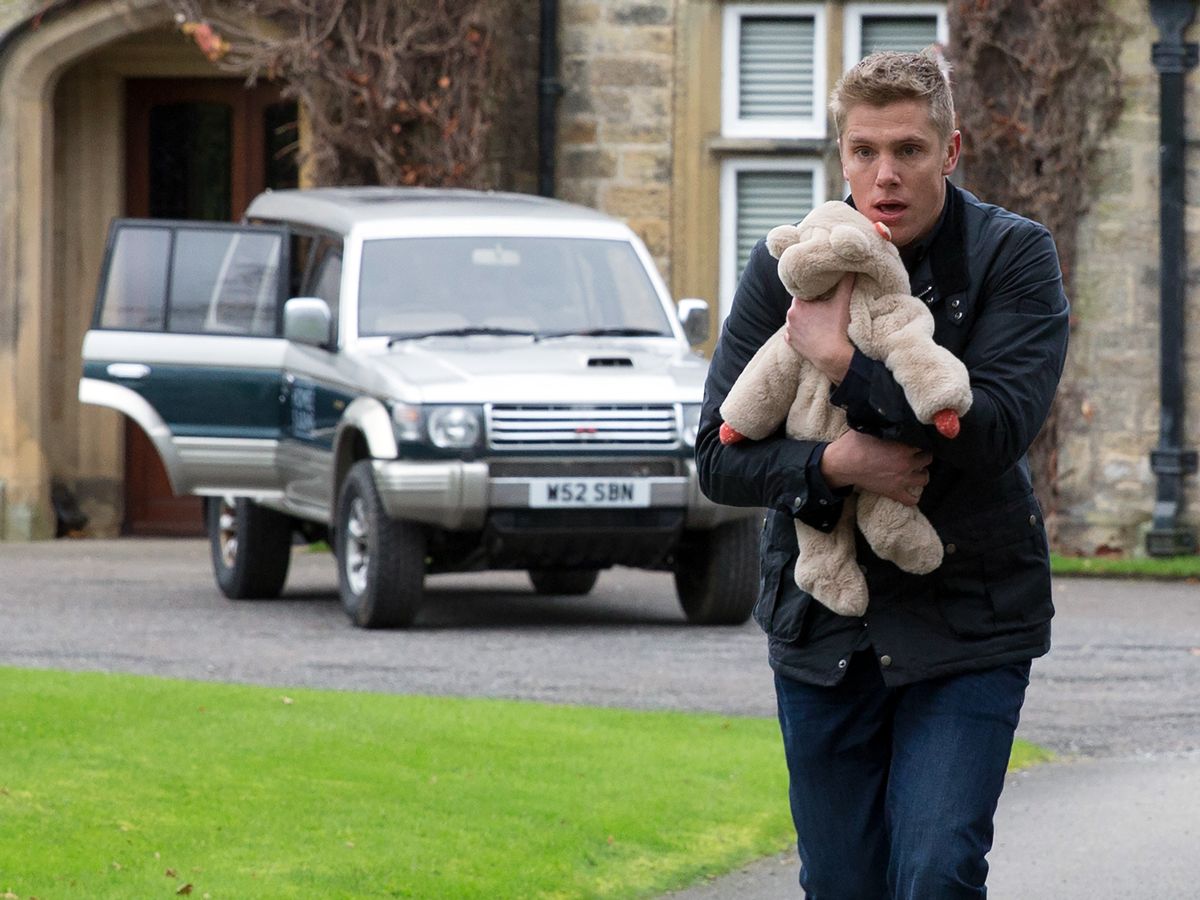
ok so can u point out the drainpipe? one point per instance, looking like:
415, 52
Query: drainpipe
1170, 462
549, 90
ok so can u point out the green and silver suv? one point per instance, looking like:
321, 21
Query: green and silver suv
433, 380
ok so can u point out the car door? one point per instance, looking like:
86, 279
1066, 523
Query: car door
317, 389
186, 341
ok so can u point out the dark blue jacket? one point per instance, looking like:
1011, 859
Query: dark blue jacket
992, 280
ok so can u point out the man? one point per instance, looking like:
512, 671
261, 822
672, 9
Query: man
897, 726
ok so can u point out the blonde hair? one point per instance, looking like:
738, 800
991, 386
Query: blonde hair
886, 77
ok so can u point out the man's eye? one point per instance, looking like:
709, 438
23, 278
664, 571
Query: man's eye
862, 153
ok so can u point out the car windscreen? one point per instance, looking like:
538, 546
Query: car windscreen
537, 285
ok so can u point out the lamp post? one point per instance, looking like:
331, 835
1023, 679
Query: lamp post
1169, 461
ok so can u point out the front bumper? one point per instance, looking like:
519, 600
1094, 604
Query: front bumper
458, 495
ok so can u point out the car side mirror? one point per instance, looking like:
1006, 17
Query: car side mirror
693, 316
306, 320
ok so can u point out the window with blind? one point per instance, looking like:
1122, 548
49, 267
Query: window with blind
773, 71
870, 27
757, 195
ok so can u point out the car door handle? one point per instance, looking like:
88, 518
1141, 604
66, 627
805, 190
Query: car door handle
128, 371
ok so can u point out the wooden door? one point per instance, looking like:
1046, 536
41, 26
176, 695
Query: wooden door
195, 149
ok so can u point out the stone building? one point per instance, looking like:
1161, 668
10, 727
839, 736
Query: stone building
700, 122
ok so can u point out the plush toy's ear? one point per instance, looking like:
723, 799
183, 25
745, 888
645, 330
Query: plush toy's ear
849, 243
781, 237
884, 231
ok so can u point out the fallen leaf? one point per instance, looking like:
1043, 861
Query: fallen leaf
288, 701
350, 844
171, 873
186, 889
611, 839
116, 865
9, 895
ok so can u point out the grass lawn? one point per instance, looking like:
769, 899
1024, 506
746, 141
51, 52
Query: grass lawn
117, 786
1121, 567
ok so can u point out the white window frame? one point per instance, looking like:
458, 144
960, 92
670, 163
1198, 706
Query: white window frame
732, 125
855, 12
730, 168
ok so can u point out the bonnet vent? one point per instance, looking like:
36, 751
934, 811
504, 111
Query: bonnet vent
609, 361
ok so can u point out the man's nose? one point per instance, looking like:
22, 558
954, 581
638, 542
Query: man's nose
886, 173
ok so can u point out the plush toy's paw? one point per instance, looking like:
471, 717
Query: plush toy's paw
730, 435
947, 424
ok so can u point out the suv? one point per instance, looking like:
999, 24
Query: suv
432, 380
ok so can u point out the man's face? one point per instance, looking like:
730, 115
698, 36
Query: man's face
896, 164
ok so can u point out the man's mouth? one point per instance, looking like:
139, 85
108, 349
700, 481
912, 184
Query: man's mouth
889, 211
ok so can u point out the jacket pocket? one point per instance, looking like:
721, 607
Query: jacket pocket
996, 579
781, 606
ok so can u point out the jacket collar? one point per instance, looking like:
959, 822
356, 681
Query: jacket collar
945, 245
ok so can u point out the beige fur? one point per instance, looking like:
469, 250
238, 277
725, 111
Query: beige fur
778, 385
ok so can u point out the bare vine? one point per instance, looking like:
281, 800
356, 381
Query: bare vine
396, 92
1037, 91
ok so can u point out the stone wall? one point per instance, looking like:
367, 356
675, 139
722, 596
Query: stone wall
614, 152
1111, 400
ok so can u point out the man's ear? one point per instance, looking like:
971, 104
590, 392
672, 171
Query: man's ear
953, 151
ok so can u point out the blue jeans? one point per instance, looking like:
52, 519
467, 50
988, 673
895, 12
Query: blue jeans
893, 790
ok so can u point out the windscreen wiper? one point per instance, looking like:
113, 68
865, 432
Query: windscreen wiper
603, 332
460, 332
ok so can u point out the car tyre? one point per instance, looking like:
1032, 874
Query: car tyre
564, 582
716, 573
380, 560
251, 547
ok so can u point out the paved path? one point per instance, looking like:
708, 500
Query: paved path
1119, 816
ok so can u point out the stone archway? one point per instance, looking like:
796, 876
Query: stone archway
62, 179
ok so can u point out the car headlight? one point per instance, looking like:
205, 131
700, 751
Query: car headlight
690, 423
454, 427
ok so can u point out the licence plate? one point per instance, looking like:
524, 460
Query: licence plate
588, 492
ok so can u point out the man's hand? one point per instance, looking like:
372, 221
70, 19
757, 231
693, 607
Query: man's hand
817, 331
881, 467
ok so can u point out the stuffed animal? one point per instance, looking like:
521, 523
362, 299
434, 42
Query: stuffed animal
779, 386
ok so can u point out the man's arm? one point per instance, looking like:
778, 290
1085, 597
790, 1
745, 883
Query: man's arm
771, 472
1014, 354
778, 472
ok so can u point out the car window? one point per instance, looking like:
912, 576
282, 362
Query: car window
135, 290
186, 279
536, 284
325, 276
224, 282
298, 262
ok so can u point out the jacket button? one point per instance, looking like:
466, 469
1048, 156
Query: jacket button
954, 303
841, 664
885, 660
950, 548
958, 316
797, 503
1033, 520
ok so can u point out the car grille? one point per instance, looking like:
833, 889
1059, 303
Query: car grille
577, 427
